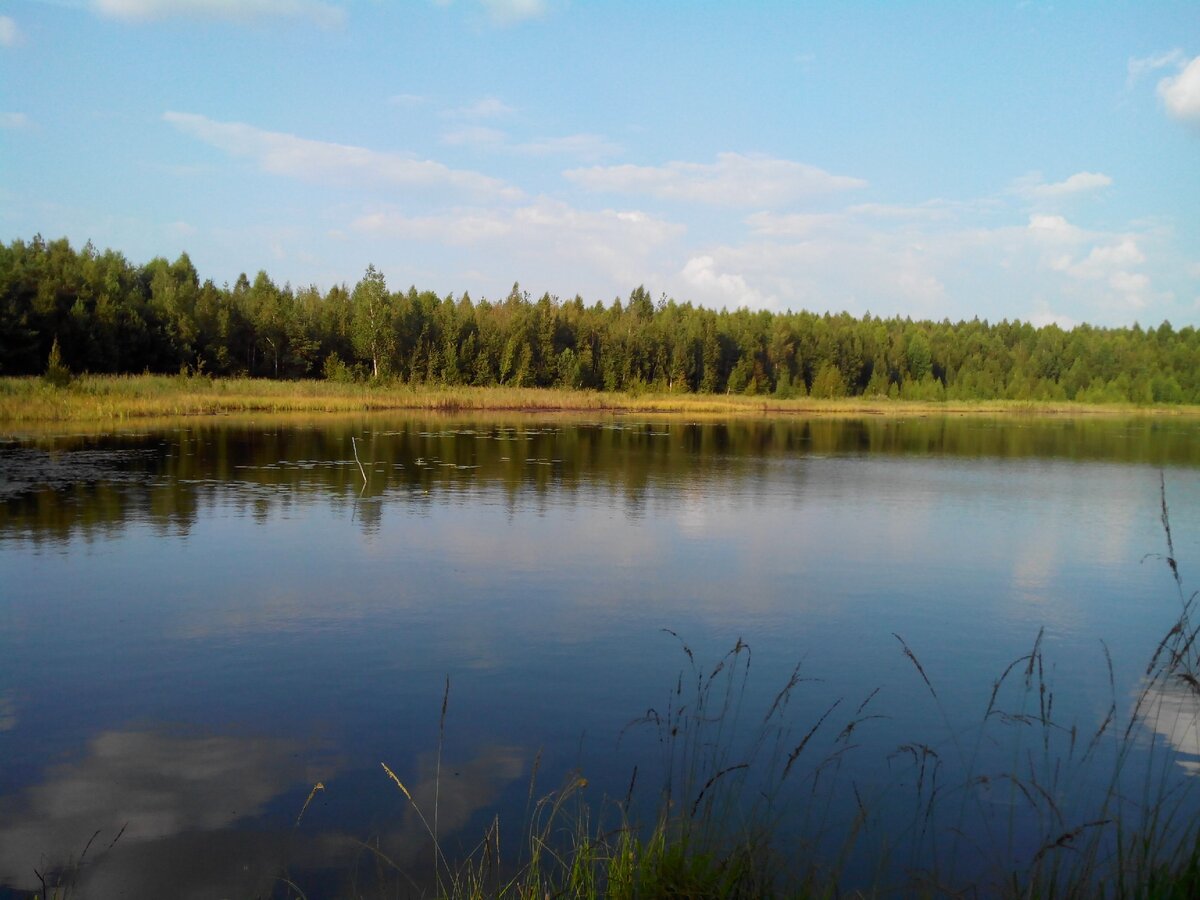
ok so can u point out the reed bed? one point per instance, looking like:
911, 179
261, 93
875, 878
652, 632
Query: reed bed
118, 398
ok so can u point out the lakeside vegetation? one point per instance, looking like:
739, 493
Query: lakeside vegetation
66, 311
31, 400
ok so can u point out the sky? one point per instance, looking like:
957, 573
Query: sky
1026, 160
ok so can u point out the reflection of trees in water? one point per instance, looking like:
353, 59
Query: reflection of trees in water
56, 488
179, 800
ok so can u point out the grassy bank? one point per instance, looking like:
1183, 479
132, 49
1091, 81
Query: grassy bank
98, 398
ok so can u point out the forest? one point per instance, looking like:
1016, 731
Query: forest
95, 311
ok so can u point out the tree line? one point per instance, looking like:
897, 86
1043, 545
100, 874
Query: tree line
98, 312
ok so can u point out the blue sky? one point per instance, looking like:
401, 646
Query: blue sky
943, 160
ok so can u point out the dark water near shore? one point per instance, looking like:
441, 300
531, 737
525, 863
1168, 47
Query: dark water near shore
198, 624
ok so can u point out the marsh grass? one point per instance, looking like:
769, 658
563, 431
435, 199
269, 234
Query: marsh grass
115, 398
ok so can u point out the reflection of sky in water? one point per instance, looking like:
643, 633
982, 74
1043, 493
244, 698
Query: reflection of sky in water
149, 809
138, 651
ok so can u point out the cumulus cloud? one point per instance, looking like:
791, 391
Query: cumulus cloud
1081, 182
735, 179
542, 221
701, 273
14, 121
948, 263
791, 225
1181, 93
1044, 317
600, 250
1111, 265
10, 34
1109, 262
1054, 228
279, 153
324, 14
506, 12
1103, 261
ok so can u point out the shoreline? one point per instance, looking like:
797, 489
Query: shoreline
123, 398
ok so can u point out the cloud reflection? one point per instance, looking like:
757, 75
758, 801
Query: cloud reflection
173, 805
155, 786
1172, 710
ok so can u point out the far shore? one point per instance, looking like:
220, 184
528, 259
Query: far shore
98, 399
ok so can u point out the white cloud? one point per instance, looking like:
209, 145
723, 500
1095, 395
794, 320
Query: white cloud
1054, 228
1181, 93
582, 146
1109, 263
474, 135
324, 14
181, 229
1129, 282
484, 108
882, 260
1045, 317
733, 180
700, 272
546, 240
506, 12
407, 101
1137, 67
544, 219
791, 225
14, 121
463, 227
1080, 182
872, 215
279, 153
10, 34
933, 210
1103, 261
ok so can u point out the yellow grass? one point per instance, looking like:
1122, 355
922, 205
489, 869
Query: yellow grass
114, 399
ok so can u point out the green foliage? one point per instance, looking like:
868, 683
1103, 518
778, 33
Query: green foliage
111, 316
828, 382
335, 370
57, 373
374, 334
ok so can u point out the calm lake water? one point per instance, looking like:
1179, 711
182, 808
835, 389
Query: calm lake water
200, 622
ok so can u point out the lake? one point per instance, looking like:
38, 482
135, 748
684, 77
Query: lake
202, 620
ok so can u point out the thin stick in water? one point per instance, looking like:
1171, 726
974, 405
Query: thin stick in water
354, 446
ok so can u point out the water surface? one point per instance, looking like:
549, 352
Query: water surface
200, 622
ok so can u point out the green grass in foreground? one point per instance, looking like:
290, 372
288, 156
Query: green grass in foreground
117, 398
